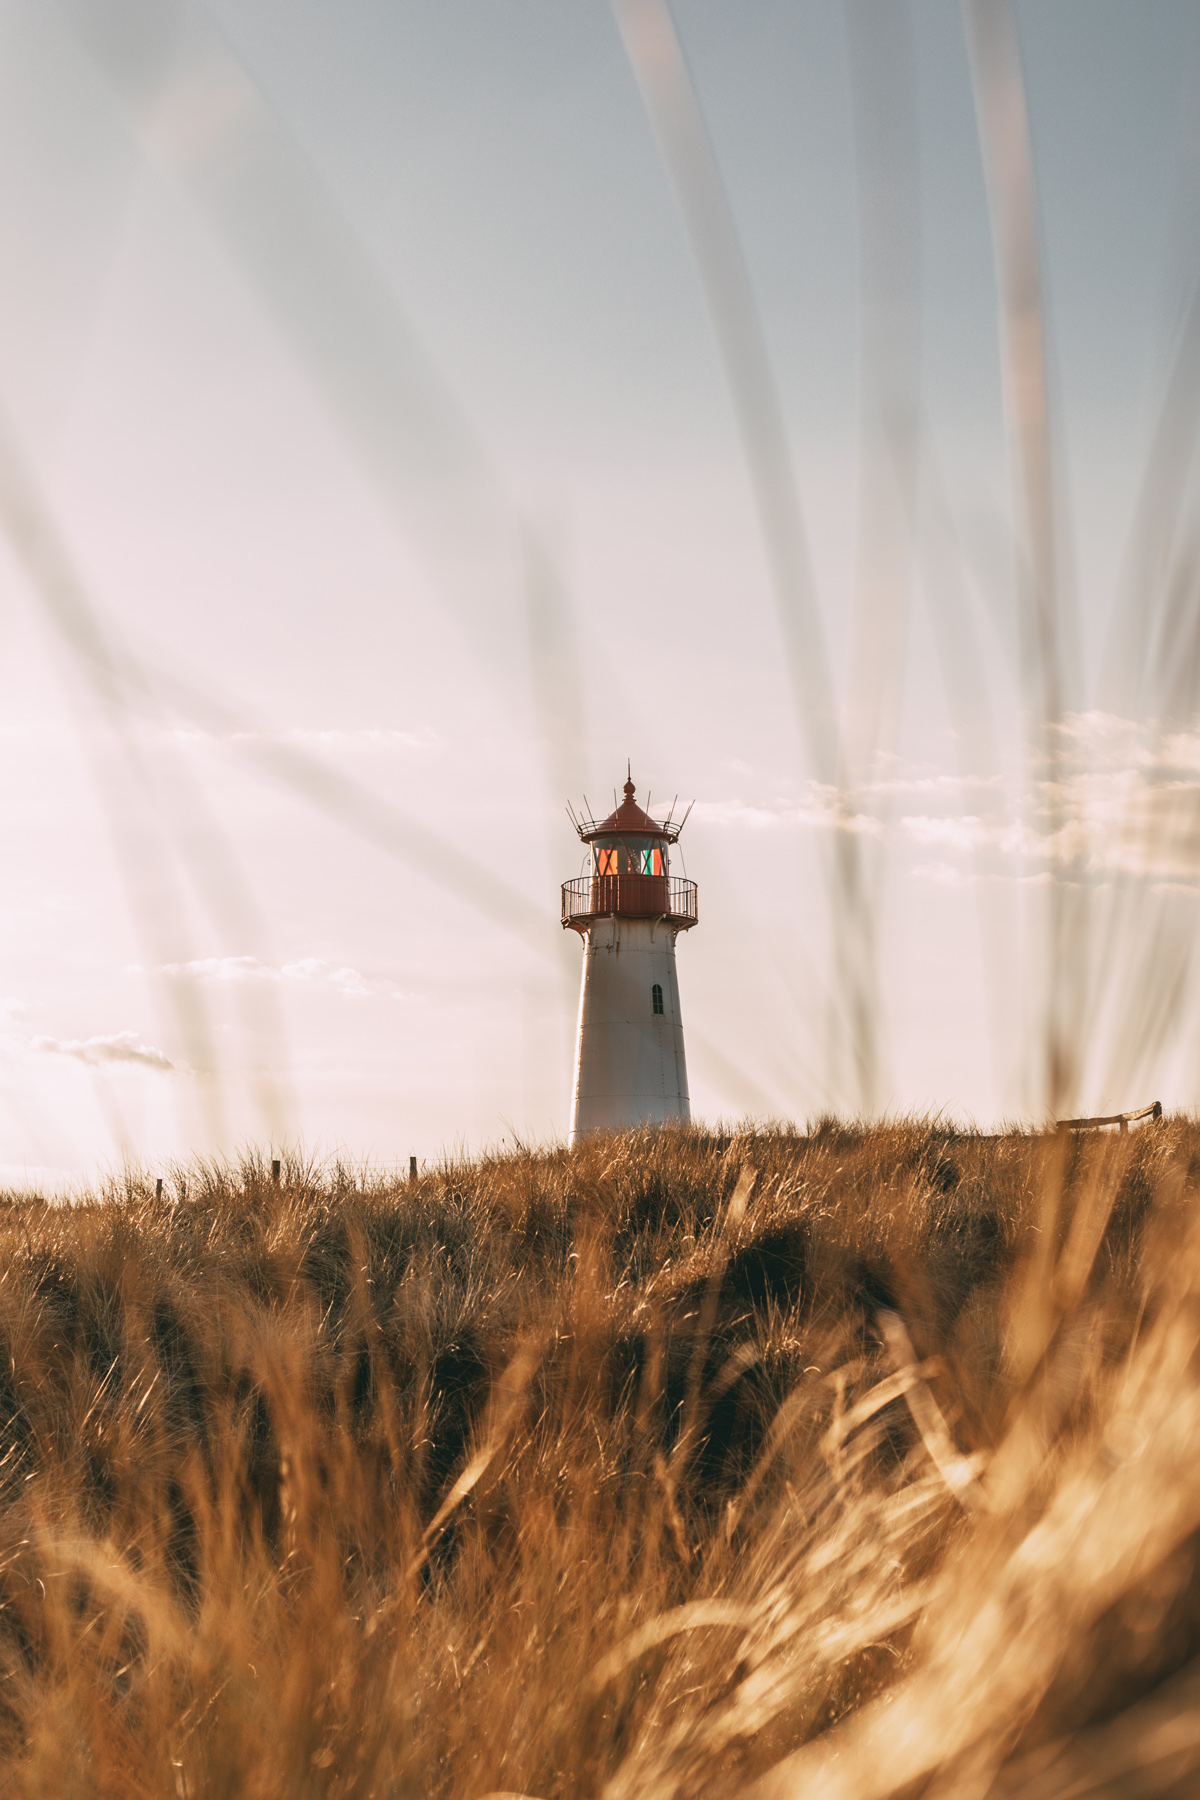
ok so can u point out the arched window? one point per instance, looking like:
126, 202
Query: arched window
656, 997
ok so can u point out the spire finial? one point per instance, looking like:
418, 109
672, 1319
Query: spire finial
630, 790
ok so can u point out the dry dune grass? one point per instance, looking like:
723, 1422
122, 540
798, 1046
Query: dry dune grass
857, 1462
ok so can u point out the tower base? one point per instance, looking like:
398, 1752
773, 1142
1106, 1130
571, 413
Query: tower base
630, 1067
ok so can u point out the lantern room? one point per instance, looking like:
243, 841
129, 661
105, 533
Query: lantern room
629, 841
629, 856
629, 869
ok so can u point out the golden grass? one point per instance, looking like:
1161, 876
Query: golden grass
859, 1462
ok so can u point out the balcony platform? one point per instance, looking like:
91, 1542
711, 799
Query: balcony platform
671, 898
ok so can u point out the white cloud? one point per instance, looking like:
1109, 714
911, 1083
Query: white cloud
1116, 799
1124, 801
310, 971
119, 1047
1189, 889
820, 807
1099, 738
364, 737
930, 784
216, 968
1181, 751
969, 834
351, 982
945, 874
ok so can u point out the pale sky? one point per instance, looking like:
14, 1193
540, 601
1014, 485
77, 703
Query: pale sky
372, 485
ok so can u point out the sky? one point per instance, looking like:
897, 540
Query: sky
410, 412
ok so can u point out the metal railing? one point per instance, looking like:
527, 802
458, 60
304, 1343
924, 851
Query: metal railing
670, 897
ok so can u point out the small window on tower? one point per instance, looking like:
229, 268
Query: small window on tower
656, 998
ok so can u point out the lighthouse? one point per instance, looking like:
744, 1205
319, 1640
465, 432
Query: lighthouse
629, 909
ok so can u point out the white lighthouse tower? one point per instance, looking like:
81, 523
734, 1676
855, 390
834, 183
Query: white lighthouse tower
629, 909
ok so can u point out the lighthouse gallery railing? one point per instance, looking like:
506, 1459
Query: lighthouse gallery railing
670, 897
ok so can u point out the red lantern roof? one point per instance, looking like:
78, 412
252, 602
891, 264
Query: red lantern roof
630, 820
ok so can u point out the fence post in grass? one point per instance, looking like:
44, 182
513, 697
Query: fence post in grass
412, 1168
275, 1169
158, 1189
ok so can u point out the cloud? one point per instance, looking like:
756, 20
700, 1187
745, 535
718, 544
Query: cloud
1114, 799
1123, 800
945, 874
310, 971
929, 784
968, 833
215, 968
350, 982
862, 809
1103, 740
820, 807
362, 737
119, 1047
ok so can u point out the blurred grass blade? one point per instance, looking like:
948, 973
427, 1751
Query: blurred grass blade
125, 784
199, 117
882, 95
1050, 654
658, 63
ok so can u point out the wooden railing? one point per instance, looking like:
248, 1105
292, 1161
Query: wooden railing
670, 897
1124, 1120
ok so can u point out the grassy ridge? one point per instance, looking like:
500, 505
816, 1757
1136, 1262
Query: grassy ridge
838, 1462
